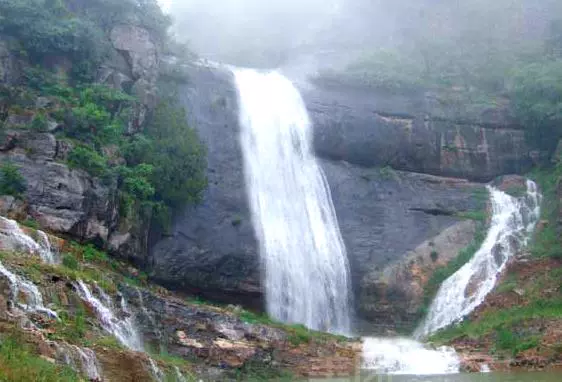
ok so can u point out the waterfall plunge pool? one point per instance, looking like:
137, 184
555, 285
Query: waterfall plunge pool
463, 377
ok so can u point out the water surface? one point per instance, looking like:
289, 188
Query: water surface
465, 377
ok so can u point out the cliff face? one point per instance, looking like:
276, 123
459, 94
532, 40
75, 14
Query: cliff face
433, 133
61, 199
387, 158
385, 215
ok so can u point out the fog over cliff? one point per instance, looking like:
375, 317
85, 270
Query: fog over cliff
271, 33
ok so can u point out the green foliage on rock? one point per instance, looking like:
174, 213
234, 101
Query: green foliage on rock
47, 27
88, 159
11, 181
547, 241
537, 98
175, 155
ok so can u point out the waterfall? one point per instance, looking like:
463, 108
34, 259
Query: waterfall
78, 358
405, 356
305, 263
513, 221
121, 328
25, 294
13, 238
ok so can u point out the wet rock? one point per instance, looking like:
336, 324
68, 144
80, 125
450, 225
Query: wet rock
382, 213
393, 296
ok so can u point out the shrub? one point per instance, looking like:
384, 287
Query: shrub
46, 27
87, 159
537, 97
70, 262
39, 122
11, 181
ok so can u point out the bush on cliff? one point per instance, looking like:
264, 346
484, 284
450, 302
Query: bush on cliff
11, 181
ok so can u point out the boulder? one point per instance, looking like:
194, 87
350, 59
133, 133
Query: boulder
392, 297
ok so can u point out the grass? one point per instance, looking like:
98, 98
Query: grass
480, 216
498, 320
547, 241
19, 364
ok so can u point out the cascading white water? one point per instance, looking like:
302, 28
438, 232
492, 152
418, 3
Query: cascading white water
406, 356
78, 358
121, 328
306, 267
13, 238
24, 294
513, 221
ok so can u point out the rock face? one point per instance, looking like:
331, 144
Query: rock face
224, 341
60, 199
212, 248
418, 132
382, 213
395, 294
9, 72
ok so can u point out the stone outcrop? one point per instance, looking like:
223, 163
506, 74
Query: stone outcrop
60, 199
425, 133
395, 294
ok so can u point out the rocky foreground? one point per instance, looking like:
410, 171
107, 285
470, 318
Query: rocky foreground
178, 337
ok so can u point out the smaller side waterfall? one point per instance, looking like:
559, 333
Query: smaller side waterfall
24, 294
121, 327
78, 358
513, 221
13, 238
405, 356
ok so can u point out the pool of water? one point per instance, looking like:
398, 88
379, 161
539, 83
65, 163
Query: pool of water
476, 377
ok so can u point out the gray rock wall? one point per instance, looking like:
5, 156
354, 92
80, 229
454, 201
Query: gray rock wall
382, 213
419, 133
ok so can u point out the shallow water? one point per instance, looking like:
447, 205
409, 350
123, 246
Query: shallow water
476, 377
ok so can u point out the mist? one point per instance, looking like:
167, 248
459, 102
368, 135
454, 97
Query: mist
333, 33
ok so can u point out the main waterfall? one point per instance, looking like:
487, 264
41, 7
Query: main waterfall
306, 268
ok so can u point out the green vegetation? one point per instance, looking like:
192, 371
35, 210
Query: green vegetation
176, 154
11, 181
500, 322
257, 371
164, 164
47, 28
547, 241
19, 364
480, 216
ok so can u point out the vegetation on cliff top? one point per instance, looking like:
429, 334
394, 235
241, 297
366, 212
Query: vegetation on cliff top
165, 161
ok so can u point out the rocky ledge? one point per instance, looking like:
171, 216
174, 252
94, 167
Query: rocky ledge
102, 318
